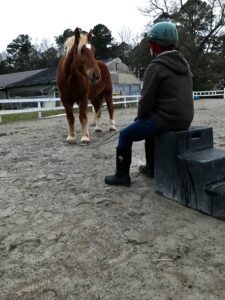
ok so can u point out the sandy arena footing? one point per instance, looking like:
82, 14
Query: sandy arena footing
65, 235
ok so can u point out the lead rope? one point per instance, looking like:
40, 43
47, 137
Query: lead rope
107, 140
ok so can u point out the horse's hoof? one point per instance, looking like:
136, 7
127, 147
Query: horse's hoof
113, 128
98, 129
71, 140
85, 141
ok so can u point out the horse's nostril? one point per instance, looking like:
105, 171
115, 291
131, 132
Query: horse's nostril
95, 77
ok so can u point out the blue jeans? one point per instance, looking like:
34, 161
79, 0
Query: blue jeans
140, 129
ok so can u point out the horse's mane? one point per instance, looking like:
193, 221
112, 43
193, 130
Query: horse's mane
70, 41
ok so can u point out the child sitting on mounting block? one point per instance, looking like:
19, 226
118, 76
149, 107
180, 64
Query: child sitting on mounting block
166, 102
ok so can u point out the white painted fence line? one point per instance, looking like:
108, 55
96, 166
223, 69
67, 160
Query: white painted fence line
117, 100
210, 93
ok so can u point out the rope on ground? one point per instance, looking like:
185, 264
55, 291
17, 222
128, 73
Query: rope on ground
108, 139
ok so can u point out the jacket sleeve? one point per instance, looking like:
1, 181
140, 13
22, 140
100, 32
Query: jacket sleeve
146, 104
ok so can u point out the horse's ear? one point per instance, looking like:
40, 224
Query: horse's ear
77, 33
77, 39
89, 36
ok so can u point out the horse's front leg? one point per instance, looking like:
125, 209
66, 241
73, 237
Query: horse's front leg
71, 120
97, 121
97, 103
109, 102
83, 107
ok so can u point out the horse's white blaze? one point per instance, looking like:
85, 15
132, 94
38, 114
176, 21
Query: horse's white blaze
88, 45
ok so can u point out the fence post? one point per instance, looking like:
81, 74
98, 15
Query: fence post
125, 102
224, 93
39, 107
136, 99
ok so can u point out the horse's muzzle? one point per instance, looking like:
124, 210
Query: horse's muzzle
94, 76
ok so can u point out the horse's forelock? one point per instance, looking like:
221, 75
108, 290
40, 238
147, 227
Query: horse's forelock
83, 41
69, 44
70, 41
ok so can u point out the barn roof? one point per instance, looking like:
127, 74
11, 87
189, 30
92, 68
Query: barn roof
44, 77
14, 78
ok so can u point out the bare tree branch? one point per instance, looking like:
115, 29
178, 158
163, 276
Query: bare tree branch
125, 35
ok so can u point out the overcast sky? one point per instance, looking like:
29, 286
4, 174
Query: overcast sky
45, 19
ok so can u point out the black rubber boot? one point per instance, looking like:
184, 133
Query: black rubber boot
122, 176
148, 169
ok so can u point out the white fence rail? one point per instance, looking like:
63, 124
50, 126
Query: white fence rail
16, 106
50, 104
215, 93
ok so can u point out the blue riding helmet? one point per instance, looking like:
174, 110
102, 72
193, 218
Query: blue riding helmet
163, 33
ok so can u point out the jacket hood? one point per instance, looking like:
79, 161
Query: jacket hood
173, 60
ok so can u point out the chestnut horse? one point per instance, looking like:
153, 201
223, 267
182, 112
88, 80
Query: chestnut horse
80, 78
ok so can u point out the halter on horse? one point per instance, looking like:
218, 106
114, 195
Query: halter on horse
80, 78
